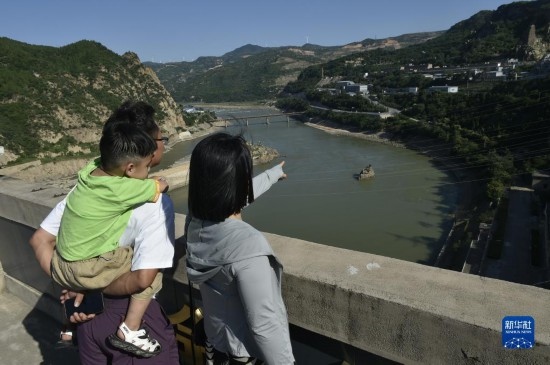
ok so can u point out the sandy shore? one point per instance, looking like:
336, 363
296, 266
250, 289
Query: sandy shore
63, 174
235, 105
336, 129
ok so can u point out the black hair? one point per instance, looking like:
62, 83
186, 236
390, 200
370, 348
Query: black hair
220, 177
123, 142
138, 113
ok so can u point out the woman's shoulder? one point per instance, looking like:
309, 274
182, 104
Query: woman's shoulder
242, 229
248, 237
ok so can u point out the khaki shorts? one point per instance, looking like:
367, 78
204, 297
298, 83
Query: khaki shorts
98, 272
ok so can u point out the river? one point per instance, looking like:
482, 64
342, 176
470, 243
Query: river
404, 212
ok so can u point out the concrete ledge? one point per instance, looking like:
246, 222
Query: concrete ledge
26, 203
403, 311
2, 278
44, 302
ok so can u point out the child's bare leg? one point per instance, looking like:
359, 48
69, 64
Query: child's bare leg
131, 336
134, 316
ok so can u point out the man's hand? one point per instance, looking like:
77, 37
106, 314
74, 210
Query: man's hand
68, 294
80, 317
75, 317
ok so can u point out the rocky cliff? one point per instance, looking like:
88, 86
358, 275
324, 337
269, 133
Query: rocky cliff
538, 43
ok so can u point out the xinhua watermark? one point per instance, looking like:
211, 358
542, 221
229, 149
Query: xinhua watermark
518, 332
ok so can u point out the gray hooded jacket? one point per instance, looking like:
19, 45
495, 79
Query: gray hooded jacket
240, 283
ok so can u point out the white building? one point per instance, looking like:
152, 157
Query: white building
495, 74
343, 84
445, 89
357, 89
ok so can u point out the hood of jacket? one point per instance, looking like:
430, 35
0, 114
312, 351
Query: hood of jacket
211, 245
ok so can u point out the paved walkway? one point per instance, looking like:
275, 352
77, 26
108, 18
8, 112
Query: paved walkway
515, 262
29, 337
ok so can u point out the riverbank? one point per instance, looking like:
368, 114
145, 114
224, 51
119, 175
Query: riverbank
236, 105
337, 129
63, 174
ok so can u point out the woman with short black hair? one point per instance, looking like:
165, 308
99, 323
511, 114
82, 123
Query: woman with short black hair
239, 276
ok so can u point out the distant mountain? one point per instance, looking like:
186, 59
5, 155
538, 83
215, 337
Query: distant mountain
519, 30
254, 73
53, 101
244, 51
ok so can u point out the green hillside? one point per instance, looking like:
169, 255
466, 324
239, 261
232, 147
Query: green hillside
53, 101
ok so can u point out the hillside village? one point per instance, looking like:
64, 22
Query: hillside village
487, 71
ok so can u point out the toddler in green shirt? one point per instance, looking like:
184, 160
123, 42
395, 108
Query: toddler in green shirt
87, 254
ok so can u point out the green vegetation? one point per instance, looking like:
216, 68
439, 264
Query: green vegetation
354, 103
293, 104
49, 96
192, 119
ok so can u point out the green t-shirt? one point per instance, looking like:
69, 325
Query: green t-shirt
97, 212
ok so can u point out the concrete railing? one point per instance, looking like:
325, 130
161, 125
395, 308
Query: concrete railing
402, 311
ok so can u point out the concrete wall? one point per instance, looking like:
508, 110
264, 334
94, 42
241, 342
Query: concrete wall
403, 311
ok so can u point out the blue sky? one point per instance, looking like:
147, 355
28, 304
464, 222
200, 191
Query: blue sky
179, 30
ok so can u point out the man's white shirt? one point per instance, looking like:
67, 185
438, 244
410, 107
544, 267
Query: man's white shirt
150, 231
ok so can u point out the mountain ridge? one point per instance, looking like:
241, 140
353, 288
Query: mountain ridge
262, 72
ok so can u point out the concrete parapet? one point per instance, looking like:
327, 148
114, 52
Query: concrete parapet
26, 203
2, 278
403, 311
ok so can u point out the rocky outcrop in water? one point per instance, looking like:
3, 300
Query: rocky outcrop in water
262, 154
366, 173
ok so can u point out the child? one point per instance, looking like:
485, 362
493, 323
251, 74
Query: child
87, 255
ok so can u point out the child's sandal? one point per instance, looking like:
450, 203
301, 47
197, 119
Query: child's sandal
66, 336
65, 339
135, 342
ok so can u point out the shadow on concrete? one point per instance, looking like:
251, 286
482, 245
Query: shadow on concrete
29, 336
45, 331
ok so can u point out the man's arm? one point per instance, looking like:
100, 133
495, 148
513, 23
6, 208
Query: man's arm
43, 243
44, 238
